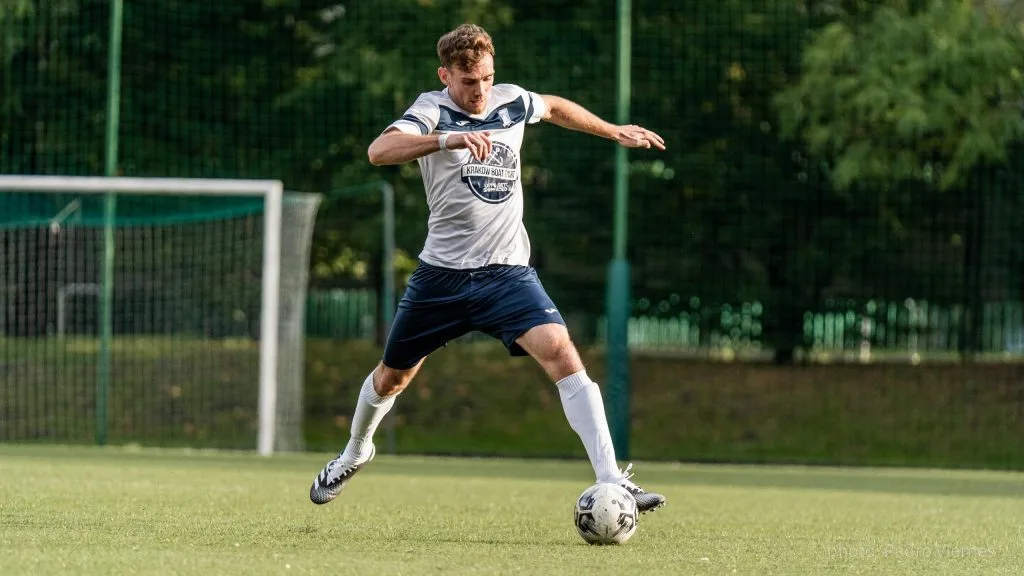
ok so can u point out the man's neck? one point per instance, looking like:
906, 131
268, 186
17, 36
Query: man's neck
479, 116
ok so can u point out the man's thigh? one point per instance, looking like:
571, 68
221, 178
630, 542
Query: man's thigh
432, 312
509, 303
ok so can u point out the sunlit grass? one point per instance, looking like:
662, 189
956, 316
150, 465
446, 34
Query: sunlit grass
96, 511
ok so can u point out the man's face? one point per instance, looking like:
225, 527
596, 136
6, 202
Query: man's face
470, 89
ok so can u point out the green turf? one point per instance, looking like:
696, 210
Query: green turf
90, 511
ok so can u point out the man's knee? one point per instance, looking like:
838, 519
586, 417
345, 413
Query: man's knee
389, 381
561, 353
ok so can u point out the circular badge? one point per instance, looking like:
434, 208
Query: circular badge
494, 179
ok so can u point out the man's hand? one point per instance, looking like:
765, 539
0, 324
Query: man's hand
478, 143
636, 137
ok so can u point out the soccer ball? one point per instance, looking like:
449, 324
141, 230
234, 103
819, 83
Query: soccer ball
605, 514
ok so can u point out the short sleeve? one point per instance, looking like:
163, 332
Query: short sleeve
536, 108
420, 118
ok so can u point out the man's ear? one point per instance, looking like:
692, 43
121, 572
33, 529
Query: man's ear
442, 73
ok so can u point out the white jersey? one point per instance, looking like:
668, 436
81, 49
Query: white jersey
476, 208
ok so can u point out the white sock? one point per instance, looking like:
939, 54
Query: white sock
581, 400
370, 411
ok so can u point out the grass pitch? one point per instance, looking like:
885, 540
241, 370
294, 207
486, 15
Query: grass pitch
89, 511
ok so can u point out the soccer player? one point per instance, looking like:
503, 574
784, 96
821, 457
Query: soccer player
474, 271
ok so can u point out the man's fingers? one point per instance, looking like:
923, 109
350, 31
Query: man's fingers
483, 144
476, 143
471, 144
644, 138
657, 140
485, 141
653, 139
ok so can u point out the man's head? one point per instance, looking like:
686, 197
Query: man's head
467, 66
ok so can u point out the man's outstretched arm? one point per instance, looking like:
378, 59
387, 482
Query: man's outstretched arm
568, 114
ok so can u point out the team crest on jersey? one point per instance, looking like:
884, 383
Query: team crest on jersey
494, 179
506, 120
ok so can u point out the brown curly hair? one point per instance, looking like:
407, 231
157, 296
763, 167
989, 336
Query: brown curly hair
464, 47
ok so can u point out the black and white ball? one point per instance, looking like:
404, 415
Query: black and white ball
605, 514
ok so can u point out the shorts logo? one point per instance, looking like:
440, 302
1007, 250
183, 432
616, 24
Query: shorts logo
494, 179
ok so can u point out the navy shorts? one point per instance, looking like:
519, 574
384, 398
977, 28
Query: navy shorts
441, 304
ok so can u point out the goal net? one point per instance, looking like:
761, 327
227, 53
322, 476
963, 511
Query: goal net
153, 311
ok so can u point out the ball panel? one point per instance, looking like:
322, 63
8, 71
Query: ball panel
605, 513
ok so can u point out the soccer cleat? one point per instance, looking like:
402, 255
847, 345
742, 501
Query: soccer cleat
333, 477
645, 501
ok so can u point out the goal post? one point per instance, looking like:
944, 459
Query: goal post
163, 233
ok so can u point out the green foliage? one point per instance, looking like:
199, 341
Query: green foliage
926, 96
12, 14
780, 186
52, 86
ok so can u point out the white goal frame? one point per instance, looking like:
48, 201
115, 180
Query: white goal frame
272, 192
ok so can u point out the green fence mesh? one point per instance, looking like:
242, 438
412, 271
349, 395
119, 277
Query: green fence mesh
837, 186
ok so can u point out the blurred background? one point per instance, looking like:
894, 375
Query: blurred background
826, 262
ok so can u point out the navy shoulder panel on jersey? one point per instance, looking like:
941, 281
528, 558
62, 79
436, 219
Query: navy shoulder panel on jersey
504, 116
423, 127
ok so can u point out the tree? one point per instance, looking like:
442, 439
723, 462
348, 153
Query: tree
924, 96
911, 113
729, 215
